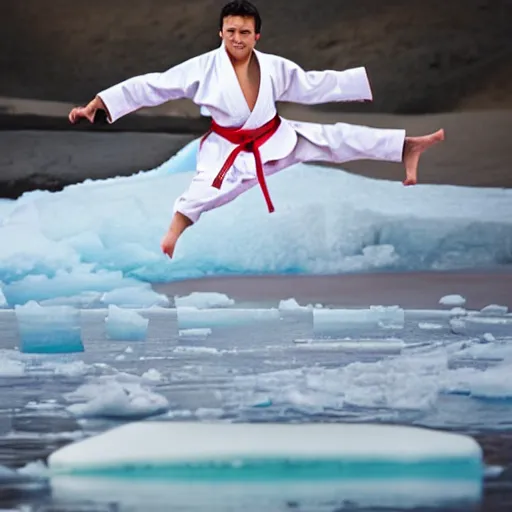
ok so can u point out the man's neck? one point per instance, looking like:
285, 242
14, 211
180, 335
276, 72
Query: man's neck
241, 63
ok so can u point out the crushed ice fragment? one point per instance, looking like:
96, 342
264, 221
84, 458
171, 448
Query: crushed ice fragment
126, 325
117, 400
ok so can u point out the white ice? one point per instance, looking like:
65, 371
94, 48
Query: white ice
14, 364
154, 443
338, 322
388, 346
428, 326
195, 333
124, 324
477, 326
119, 396
292, 305
204, 300
54, 245
452, 300
494, 309
3, 300
413, 380
135, 297
194, 318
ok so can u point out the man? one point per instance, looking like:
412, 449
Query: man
239, 86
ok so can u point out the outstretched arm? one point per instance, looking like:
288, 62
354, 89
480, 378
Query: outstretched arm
314, 87
147, 90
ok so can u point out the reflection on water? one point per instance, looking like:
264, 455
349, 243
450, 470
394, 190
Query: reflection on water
246, 373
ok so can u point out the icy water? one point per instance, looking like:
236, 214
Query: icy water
440, 369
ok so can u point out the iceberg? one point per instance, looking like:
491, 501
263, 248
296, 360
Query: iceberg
327, 221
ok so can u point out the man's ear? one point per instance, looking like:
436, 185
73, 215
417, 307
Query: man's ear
258, 37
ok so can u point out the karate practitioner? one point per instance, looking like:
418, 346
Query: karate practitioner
238, 86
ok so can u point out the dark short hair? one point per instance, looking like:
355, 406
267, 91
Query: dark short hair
241, 8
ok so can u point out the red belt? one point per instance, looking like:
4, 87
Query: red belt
246, 140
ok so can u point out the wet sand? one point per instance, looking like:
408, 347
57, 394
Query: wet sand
53, 153
51, 160
422, 56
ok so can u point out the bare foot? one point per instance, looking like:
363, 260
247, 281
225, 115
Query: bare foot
413, 148
169, 243
178, 224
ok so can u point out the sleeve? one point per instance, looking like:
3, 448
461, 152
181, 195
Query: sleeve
314, 87
152, 89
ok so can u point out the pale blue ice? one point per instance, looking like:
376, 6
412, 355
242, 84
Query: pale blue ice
100, 236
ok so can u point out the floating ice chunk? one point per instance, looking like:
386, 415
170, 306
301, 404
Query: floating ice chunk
213, 451
47, 330
153, 375
118, 400
39, 469
492, 472
494, 309
208, 413
426, 314
135, 297
337, 322
194, 318
427, 326
292, 305
477, 326
196, 350
11, 367
204, 300
488, 337
458, 326
3, 300
389, 346
69, 369
452, 300
458, 312
24, 481
126, 325
195, 333
492, 384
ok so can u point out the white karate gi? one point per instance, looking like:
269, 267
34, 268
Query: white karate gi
209, 80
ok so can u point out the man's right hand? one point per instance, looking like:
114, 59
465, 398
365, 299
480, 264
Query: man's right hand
88, 112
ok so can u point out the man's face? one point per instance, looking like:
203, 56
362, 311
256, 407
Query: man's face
239, 36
